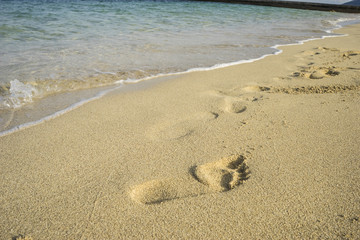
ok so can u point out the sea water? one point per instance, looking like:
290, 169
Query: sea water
52, 48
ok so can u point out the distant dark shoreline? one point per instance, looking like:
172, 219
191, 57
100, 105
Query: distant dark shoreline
297, 5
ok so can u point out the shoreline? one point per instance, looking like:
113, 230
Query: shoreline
119, 84
267, 149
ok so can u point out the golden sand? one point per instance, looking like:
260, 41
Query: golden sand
263, 150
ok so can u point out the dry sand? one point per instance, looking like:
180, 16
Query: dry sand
264, 150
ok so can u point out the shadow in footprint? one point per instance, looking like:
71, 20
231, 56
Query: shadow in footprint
219, 176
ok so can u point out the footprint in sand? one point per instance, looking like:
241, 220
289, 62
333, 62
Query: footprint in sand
318, 51
232, 101
330, 57
179, 128
236, 100
219, 176
234, 105
314, 72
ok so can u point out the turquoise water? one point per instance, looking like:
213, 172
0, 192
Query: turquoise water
49, 47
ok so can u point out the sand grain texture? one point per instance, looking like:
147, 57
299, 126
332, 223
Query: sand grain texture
292, 120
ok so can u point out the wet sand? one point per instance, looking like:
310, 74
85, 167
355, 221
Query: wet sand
263, 150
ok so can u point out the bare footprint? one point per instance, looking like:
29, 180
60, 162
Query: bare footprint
314, 72
235, 100
219, 176
333, 62
224, 174
252, 88
176, 129
234, 105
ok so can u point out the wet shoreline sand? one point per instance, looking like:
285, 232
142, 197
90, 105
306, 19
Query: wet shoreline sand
267, 149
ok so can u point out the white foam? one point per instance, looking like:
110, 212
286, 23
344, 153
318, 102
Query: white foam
20, 93
337, 22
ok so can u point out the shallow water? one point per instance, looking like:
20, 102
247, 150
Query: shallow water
49, 47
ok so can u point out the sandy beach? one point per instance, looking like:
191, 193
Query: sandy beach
262, 150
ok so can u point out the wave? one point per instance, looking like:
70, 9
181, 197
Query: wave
15, 94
